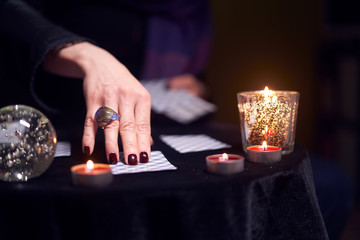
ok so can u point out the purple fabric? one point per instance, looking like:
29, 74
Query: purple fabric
178, 45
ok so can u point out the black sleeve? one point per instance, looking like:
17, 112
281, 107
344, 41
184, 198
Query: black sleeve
30, 36
27, 26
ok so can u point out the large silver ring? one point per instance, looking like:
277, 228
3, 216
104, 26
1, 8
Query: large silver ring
104, 116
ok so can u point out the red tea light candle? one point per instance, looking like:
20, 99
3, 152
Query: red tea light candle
91, 174
225, 163
264, 153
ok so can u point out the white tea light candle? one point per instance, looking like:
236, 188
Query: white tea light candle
225, 163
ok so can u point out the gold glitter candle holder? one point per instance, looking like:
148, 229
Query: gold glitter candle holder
268, 116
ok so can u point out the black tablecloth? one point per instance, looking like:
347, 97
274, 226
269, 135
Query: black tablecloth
266, 201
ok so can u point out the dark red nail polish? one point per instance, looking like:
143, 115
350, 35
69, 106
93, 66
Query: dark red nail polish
132, 159
112, 158
144, 157
87, 150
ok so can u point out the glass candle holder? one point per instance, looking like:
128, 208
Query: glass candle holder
268, 116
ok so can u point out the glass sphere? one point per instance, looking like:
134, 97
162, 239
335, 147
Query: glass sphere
27, 143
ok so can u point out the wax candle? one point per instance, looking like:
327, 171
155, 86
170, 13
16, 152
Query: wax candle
91, 174
225, 163
263, 153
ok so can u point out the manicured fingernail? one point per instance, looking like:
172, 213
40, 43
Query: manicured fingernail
144, 158
112, 158
132, 159
87, 150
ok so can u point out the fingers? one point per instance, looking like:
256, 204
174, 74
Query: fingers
90, 128
142, 116
94, 102
189, 83
111, 132
127, 129
88, 140
135, 128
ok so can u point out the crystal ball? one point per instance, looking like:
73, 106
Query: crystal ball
27, 143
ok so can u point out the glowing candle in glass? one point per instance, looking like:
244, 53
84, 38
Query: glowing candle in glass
268, 116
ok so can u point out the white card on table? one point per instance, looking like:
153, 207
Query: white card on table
193, 142
157, 162
63, 149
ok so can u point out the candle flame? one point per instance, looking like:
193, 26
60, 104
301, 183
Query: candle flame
90, 165
224, 157
267, 92
264, 145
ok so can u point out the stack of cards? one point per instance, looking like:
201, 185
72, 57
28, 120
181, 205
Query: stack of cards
178, 105
193, 142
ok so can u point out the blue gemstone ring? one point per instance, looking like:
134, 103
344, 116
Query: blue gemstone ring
104, 116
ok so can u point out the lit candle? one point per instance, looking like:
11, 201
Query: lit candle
91, 174
268, 115
225, 163
264, 153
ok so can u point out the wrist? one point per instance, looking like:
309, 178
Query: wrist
69, 59
81, 54
66, 45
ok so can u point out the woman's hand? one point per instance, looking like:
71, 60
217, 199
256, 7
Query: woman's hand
107, 82
189, 83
